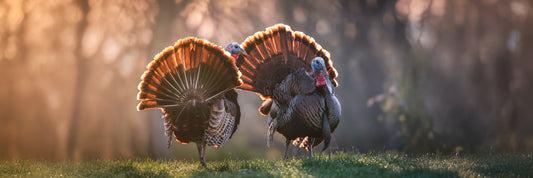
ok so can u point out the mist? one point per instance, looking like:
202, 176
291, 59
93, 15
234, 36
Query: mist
414, 75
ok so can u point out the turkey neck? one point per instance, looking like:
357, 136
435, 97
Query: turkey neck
322, 83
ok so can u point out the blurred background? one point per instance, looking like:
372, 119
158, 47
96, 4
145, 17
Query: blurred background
414, 75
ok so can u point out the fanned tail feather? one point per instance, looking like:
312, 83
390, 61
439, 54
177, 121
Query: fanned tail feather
192, 69
276, 52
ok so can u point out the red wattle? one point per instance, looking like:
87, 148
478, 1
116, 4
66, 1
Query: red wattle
320, 81
234, 55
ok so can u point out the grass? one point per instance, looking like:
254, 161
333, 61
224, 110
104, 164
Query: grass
386, 164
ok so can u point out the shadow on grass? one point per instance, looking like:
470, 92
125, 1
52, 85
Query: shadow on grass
501, 166
341, 168
507, 170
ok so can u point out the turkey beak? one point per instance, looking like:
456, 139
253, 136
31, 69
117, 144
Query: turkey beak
243, 52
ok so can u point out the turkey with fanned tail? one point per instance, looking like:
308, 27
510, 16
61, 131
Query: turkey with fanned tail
193, 84
296, 78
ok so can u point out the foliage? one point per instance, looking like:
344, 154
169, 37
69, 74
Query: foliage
382, 164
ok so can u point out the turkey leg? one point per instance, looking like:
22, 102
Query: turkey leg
201, 152
310, 147
287, 143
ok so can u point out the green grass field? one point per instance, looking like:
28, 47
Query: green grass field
386, 164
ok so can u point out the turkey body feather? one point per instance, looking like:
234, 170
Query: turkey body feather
296, 78
193, 84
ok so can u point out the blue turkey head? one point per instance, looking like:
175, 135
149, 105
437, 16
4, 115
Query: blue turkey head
319, 71
235, 49
318, 65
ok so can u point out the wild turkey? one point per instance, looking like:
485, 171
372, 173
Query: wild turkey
193, 84
296, 78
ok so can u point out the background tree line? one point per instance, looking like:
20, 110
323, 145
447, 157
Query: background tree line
414, 75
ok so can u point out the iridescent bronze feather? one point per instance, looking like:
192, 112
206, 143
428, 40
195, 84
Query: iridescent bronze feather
193, 84
296, 78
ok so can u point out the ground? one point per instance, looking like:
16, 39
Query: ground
382, 164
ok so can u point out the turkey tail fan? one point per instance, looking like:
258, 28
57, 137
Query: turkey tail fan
275, 53
191, 70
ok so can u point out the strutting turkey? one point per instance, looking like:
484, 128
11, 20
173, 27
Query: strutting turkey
296, 78
193, 84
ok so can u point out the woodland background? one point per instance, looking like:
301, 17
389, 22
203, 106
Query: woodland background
414, 75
